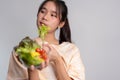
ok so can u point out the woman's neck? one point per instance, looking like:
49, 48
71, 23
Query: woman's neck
50, 38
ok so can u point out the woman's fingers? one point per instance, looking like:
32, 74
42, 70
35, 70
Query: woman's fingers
46, 62
43, 64
47, 48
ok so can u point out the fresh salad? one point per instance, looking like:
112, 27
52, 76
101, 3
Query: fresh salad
29, 52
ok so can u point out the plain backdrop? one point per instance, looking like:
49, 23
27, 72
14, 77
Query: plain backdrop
95, 26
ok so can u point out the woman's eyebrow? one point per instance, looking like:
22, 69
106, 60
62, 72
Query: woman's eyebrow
54, 12
44, 8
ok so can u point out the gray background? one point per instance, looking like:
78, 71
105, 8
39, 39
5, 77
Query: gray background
95, 28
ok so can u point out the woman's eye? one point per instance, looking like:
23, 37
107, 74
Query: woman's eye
53, 15
42, 11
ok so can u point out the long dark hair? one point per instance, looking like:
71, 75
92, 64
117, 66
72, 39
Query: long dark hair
62, 11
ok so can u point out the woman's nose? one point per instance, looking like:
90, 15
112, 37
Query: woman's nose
46, 16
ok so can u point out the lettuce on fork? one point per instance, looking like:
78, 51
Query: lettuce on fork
42, 31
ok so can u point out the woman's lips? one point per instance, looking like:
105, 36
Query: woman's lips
41, 23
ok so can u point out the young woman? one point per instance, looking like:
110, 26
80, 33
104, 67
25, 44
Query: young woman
64, 57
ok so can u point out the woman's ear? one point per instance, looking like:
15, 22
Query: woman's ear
61, 24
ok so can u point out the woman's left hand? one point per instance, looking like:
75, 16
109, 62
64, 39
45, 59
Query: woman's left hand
52, 55
51, 52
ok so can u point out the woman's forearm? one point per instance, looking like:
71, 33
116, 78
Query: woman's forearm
60, 69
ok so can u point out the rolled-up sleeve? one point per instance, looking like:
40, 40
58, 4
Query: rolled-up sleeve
76, 67
74, 64
16, 71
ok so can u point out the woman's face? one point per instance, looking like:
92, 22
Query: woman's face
48, 16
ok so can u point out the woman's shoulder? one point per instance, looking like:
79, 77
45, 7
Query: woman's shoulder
69, 45
67, 50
